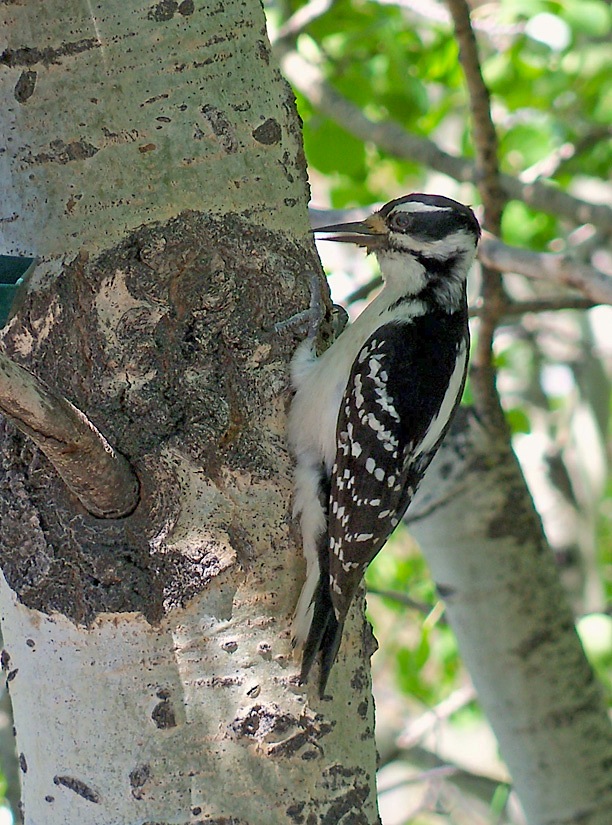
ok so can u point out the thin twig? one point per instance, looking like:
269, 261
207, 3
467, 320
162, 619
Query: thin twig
556, 303
485, 136
405, 600
565, 155
469, 782
494, 199
100, 478
302, 18
416, 729
364, 291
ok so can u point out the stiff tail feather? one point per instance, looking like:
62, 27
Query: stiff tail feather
324, 635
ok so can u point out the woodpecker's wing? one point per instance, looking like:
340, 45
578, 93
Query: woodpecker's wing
403, 388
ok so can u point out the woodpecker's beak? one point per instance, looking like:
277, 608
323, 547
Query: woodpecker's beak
370, 233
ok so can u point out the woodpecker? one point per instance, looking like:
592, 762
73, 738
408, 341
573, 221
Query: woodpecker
369, 413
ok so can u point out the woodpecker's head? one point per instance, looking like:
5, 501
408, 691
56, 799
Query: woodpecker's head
430, 225
421, 242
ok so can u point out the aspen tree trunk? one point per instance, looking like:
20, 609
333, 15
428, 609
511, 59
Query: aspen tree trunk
151, 160
483, 543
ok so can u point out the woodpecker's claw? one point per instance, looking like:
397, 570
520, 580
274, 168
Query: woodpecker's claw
311, 316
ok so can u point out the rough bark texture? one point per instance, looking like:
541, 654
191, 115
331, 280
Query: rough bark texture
483, 542
164, 344
101, 479
156, 167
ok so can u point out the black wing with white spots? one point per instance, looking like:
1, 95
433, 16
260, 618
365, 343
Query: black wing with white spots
403, 389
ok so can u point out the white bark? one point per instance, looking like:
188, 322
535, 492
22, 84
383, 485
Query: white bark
113, 115
155, 164
187, 721
484, 546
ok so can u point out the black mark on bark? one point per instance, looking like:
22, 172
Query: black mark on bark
268, 133
221, 127
138, 779
445, 591
166, 9
294, 812
163, 715
78, 787
62, 153
260, 721
163, 11
24, 88
30, 57
263, 51
231, 646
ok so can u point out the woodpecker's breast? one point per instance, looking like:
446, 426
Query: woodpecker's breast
320, 382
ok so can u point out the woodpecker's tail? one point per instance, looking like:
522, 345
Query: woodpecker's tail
324, 635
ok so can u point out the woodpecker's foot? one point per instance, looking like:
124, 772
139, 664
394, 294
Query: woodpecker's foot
311, 316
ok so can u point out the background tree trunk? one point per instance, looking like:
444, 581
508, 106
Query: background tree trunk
483, 542
154, 167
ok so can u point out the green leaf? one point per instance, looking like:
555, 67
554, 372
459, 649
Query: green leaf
523, 226
325, 142
526, 143
590, 17
518, 421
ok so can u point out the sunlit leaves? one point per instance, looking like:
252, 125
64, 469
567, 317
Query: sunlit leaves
547, 65
523, 226
590, 17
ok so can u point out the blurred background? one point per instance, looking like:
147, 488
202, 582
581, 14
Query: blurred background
383, 101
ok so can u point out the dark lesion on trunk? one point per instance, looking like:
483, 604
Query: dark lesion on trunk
163, 342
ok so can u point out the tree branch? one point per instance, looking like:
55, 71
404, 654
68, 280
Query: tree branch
556, 303
397, 141
474, 784
488, 555
494, 199
406, 601
419, 727
545, 266
100, 478
485, 136
302, 18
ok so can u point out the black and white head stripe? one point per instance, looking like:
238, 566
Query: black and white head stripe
429, 217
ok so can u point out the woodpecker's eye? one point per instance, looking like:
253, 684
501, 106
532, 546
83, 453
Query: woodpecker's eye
400, 221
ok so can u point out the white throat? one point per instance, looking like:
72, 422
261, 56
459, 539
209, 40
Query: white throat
405, 276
